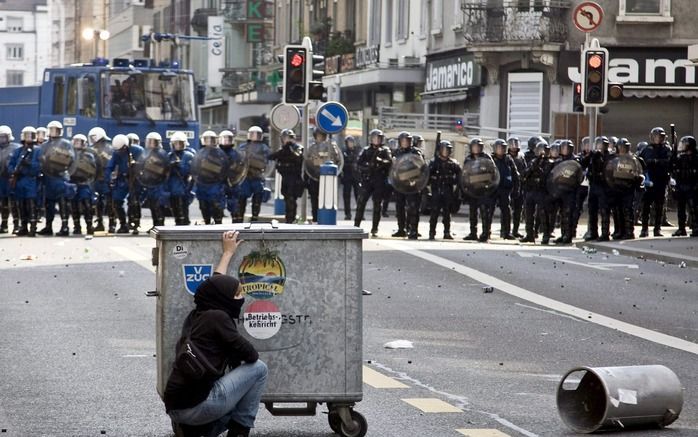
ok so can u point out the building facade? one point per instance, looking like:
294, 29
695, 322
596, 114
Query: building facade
25, 42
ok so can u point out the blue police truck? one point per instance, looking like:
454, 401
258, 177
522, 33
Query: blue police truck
122, 97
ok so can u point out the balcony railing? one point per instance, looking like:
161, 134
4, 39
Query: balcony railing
390, 119
515, 21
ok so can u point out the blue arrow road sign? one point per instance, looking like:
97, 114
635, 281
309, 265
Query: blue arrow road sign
331, 117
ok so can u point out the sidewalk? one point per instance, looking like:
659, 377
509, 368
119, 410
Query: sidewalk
673, 250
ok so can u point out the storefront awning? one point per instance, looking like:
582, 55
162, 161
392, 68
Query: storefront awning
374, 76
659, 92
452, 95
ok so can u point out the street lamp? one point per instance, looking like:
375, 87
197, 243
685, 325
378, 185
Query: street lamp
90, 34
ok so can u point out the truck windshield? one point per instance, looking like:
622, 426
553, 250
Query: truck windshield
153, 96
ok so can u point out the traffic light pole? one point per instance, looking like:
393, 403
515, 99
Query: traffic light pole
306, 140
591, 110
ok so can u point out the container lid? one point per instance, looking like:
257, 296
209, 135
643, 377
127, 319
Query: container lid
259, 231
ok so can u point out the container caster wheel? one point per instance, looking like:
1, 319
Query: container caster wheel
357, 428
335, 421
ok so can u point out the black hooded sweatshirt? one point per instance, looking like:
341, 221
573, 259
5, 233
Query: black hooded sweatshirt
214, 331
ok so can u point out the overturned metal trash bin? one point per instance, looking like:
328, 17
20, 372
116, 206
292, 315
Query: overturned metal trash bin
302, 312
591, 399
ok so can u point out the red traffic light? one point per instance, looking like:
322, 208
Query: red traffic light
595, 61
578, 88
296, 60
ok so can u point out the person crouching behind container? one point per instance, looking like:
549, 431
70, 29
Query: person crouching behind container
211, 403
289, 163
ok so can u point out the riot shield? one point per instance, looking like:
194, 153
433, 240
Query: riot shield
409, 173
84, 168
257, 154
103, 153
210, 166
5, 155
480, 177
153, 167
564, 178
237, 167
622, 172
56, 157
319, 153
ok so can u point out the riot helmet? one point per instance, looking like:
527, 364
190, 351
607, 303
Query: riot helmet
418, 141
41, 133
566, 148
28, 135
179, 141
376, 137
623, 146
134, 139
601, 143
533, 142
79, 141
5, 134
514, 145
613, 142
555, 149
349, 141
209, 139
657, 135
153, 141
641, 146
404, 140
500, 147
96, 134
586, 145
687, 144
445, 149
288, 136
55, 129
476, 146
119, 142
319, 136
255, 133
226, 139
542, 149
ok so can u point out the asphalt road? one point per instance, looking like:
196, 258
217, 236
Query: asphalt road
78, 339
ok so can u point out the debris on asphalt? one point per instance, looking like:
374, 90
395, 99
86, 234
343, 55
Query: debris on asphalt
88, 237
589, 250
682, 264
399, 344
627, 279
27, 257
366, 292
121, 273
487, 289
615, 252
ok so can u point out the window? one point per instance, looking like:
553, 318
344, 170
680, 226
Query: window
525, 103
643, 11
72, 104
87, 96
437, 17
388, 22
58, 94
15, 52
403, 19
530, 5
15, 24
375, 23
457, 15
350, 17
424, 18
15, 78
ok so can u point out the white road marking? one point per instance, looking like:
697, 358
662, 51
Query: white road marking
521, 293
136, 356
141, 259
482, 433
378, 380
549, 312
564, 259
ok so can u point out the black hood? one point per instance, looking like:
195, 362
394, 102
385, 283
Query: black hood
218, 293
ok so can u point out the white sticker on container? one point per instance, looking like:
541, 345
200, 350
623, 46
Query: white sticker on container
179, 251
614, 401
262, 319
627, 396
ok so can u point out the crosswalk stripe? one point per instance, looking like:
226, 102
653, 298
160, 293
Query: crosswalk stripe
378, 380
482, 433
432, 405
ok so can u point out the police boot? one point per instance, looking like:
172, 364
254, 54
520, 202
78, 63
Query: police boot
65, 215
86, 207
23, 229
4, 214
256, 208
605, 225
432, 228
112, 215
242, 206
121, 216
658, 222
14, 208
217, 213
629, 228
31, 208
617, 230
100, 221
75, 214
681, 231
134, 215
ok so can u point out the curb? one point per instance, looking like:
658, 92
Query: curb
636, 252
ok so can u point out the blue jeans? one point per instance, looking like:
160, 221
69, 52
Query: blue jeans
235, 396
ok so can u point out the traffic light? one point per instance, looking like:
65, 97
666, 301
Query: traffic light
615, 91
295, 79
577, 98
316, 70
594, 77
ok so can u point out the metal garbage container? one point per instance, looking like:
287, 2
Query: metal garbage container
302, 312
591, 399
